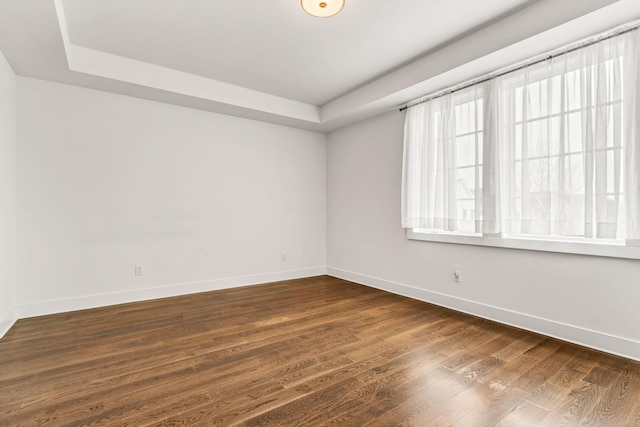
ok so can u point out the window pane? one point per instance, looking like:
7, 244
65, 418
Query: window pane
466, 150
467, 183
518, 142
574, 132
573, 94
518, 93
533, 103
555, 134
555, 94
537, 138
465, 118
539, 174
613, 165
574, 174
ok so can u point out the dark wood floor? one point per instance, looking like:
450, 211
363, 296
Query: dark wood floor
309, 352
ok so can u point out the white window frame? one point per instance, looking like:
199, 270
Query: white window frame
614, 249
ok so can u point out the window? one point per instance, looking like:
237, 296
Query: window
450, 166
547, 153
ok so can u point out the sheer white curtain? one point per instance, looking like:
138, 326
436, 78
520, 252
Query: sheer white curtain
564, 147
442, 186
552, 149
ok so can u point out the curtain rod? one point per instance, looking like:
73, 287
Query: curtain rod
487, 78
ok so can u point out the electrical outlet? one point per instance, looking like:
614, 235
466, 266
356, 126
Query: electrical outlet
138, 270
457, 275
284, 257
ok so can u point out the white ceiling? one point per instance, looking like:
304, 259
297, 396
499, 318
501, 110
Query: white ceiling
269, 60
273, 46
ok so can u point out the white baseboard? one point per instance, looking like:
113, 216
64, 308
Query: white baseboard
597, 340
6, 321
42, 308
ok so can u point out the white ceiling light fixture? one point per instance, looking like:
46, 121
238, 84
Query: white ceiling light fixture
322, 8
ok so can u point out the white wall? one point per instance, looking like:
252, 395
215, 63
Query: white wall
201, 200
7, 194
589, 300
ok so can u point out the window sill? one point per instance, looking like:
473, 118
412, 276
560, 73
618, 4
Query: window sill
580, 248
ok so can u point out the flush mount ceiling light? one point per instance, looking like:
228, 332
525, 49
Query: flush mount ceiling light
322, 8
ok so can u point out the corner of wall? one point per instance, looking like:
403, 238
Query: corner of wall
8, 160
7, 322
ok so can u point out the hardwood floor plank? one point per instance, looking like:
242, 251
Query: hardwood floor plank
617, 400
335, 353
578, 407
493, 405
524, 415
